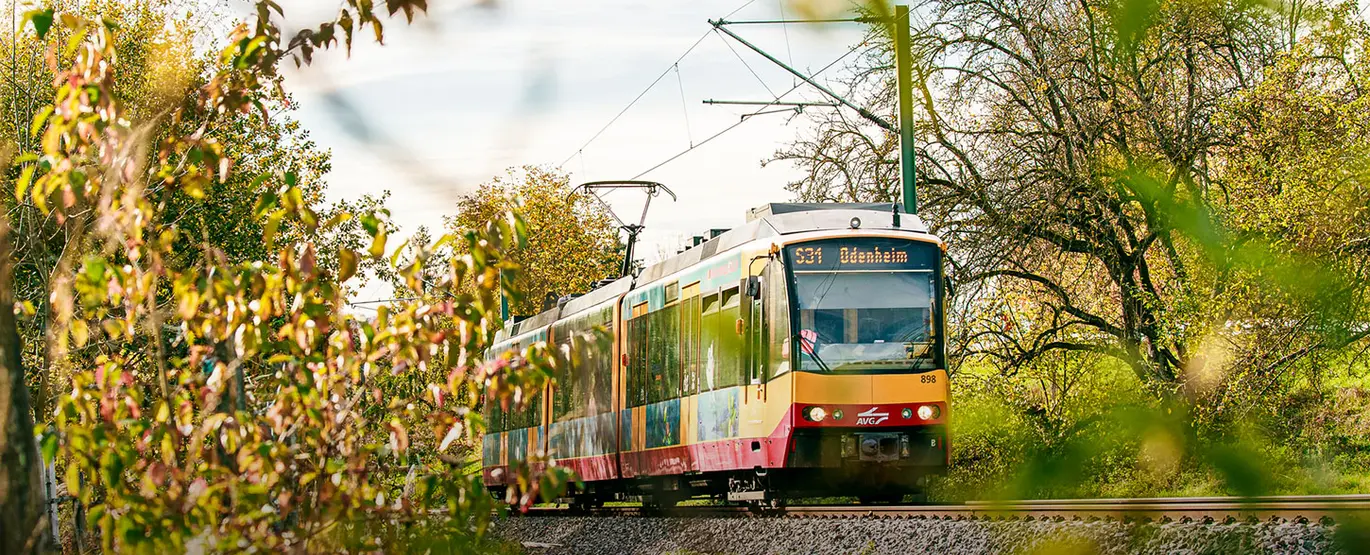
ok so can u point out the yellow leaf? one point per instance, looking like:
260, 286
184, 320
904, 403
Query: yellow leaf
347, 262
378, 245
80, 332
273, 224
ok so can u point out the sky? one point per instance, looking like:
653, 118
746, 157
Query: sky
473, 89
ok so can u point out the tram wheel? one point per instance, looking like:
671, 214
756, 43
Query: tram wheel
586, 504
661, 500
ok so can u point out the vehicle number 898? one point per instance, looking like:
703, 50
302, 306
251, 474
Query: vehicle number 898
929, 378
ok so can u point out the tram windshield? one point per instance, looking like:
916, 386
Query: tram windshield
863, 312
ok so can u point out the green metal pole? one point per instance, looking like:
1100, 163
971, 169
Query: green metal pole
902, 65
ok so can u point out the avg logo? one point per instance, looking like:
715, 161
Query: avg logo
872, 417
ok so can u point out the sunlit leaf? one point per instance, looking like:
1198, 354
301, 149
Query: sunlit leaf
265, 203
370, 223
377, 248
73, 480
48, 444
40, 119
453, 434
80, 332
273, 224
345, 21
21, 186
347, 264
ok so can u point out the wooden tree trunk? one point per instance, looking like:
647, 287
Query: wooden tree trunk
21, 488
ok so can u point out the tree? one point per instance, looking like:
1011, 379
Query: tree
1296, 181
21, 490
1078, 158
161, 69
159, 436
572, 241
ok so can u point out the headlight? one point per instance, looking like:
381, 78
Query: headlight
929, 412
837, 414
815, 414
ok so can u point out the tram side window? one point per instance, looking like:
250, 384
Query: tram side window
729, 353
523, 415
654, 355
665, 354
689, 345
630, 372
776, 298
644, 368
569, 390
535, 414
583, 366
518, 415
533, 409
563, 391
670, 320
637, 361
494, 417
526, 416
584, 388
586, 366
709, 344
600, 368
514, 418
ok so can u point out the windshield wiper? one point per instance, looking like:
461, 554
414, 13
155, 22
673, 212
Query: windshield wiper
813, 353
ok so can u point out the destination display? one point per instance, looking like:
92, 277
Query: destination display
867, 253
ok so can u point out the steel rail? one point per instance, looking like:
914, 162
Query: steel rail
1302, 508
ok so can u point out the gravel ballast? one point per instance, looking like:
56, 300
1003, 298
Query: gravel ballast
606, 535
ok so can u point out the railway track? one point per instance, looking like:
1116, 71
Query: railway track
1302, 508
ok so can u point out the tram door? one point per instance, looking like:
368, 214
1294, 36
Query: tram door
756, 343
754, 347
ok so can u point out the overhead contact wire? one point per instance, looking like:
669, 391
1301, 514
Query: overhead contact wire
747, 65
785, 27
746, 117
648, 89
684, 108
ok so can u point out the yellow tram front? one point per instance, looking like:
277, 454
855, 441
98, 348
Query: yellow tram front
869, 394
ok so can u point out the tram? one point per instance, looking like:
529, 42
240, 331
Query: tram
801, 354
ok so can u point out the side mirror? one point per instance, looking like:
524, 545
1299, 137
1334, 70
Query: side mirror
754, 287
946, 285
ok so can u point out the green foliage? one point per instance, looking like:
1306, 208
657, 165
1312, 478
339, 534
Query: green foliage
158, 69
233, 401
1011, 442
572, 240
